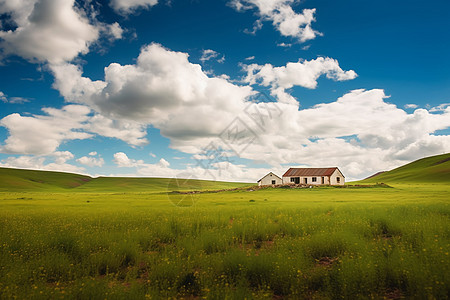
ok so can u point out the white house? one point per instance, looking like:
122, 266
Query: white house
318, 176
270, 179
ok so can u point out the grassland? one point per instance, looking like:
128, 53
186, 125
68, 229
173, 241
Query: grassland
319, 243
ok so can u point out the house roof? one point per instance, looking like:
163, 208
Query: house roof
269, 174
310, 172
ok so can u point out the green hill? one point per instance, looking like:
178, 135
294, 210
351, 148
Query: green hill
426, 170
156, 185
18, 180
32, 180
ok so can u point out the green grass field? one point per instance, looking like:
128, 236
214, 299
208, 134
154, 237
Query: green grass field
69, 237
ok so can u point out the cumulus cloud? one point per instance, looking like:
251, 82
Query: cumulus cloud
42, 134
13, 100
47, 30
218, 171
360, 132
303, 73
128, 131
162, 89
62, 156
411, 106
441, 107
115, 31
284, 45
122, 161
55, 162
209, 54
126, 7
283, 17
91, 161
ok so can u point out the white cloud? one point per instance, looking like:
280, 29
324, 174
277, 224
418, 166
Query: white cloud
13, 100
91, 161
62, 156
130, 132
41, 163
115, 31
130, 6
152, 154
93, 153
306, 47
163, 163
380, 135
284, 45
122, 161
302, 73
411, 106
250, 57
283, 17
47, 30
42, 134
209, 54
441, 107
158, 90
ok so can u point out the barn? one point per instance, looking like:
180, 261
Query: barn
270, 179
314, 176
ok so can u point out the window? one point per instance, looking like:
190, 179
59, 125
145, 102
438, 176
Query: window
292, 179
314, 179
273, 181
338, 179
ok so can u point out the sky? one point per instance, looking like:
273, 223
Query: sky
224, 89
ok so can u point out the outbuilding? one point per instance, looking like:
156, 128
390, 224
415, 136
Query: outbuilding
314, 176
270, 179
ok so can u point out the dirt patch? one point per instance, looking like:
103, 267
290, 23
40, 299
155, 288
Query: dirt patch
394, 294
376, 174
441, 161
326, 261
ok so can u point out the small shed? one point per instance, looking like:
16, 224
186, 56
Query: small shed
270, 179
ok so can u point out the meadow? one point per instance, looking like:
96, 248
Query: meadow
318, 243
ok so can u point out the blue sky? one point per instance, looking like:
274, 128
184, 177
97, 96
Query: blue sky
160, 88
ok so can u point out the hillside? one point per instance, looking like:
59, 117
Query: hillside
32, 180
425, 170
156, 185
18, 180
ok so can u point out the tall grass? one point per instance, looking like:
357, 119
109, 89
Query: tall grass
299, 244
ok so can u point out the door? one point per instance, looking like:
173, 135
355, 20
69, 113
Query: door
306, 180
297, 180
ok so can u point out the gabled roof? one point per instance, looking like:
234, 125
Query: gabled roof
310, 172
269, 174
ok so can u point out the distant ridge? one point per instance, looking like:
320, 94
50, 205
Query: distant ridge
21, 180
425, 170
376, 174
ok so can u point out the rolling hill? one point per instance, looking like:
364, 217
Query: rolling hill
433, 169
32, 180
19, 180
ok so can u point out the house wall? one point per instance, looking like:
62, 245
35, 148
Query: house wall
334, 177
287, 180
267, 180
